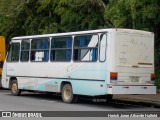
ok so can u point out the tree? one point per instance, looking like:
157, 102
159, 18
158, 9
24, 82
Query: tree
132, 14
137, 14
80, 15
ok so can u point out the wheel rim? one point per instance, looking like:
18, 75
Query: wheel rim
67, 93
14, 88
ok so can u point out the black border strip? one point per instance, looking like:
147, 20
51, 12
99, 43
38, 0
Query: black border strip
57, 78
107, 114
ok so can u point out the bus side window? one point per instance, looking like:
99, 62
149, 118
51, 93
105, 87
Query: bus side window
61, 48
86, 48
9, 53
25, 47
40, 49
103, 42
13, 55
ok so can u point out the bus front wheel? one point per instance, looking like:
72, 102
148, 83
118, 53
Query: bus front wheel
67, 94
14, 88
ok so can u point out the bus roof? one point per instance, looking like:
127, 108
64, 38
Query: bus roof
84, 32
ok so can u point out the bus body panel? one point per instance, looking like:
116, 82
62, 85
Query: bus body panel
80, 87
132, 56
79, 71
80, 75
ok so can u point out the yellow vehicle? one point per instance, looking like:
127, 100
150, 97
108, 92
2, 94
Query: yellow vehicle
2, 54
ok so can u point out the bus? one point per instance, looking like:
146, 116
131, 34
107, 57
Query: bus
94, 63
2, 55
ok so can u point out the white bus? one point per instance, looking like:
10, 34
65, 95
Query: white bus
91, 63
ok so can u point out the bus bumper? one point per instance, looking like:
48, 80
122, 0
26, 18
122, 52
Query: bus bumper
127, 89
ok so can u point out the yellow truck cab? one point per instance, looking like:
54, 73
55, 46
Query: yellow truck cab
2, 54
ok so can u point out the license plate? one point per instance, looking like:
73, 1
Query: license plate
134, 79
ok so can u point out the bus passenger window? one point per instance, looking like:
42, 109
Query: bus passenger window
40, 49
25, 47
103, 44
85, 48
61, 49
13, 55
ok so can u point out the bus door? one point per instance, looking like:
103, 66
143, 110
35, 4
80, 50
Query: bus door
13, 58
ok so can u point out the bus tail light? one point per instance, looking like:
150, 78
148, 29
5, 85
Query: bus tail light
109, 86
113, 76
152, 77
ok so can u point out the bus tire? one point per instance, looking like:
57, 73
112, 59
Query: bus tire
14, 88
67, 94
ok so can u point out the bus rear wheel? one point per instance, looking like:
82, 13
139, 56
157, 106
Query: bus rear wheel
67, 94
14, 88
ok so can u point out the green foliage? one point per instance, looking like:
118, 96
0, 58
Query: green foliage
79, 15
157, 77
132, 14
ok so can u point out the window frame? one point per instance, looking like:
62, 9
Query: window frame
105, 47
69, 36
39, 38
10, 52
86, 47
29, 50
